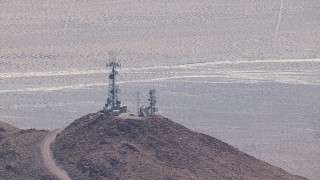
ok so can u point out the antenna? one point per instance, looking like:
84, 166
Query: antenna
113, 104
151, 110
138, 102
153, 101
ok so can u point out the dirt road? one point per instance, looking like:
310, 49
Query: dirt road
48, 158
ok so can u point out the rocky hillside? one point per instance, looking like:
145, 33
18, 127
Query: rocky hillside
19, 154
103, 147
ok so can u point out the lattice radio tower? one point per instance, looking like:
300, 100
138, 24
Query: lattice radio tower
113, 101
153, 101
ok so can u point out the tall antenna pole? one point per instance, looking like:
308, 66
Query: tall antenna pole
138, 103
153, 101
113, 90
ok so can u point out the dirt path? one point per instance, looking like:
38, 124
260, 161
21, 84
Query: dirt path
48, 158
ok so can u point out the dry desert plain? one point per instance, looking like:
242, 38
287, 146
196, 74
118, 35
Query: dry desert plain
244, 71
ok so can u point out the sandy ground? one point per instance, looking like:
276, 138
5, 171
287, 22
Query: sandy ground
48, 159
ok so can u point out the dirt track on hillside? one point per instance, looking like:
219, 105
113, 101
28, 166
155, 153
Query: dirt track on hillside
48, 158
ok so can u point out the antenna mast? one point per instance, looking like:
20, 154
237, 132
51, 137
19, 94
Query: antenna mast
113, 98
138, 102
153, 101
113, 104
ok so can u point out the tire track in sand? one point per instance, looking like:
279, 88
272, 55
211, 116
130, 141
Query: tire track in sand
48, 159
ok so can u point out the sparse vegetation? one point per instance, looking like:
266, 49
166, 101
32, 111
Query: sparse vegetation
152, 148
19, 154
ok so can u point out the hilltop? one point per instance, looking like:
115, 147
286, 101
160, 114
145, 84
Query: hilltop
19, 154
105, 147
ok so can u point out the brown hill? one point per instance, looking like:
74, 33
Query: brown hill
19, 154
7, 128
103, 147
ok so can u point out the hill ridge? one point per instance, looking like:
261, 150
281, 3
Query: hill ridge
105, 147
